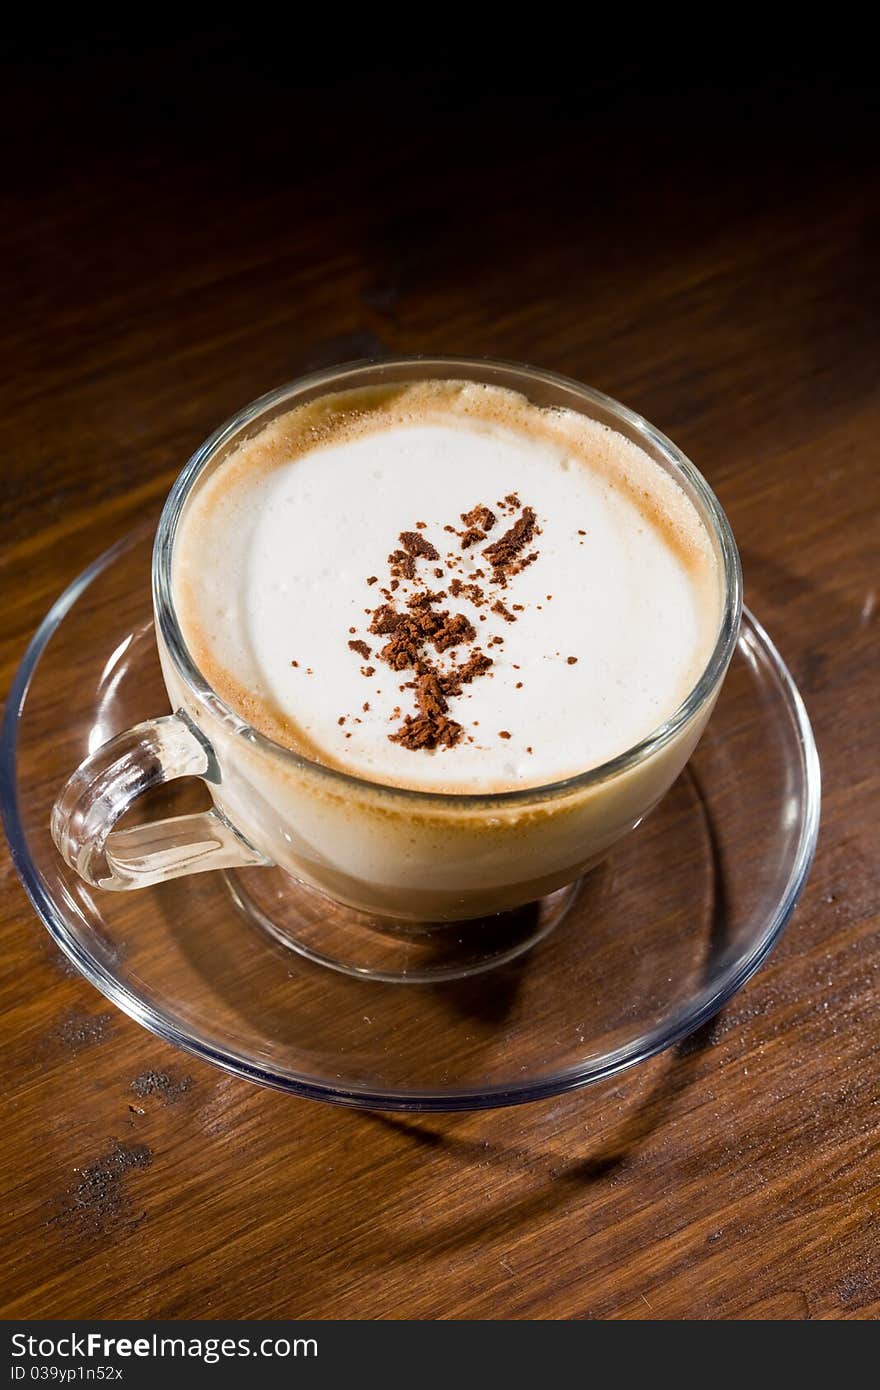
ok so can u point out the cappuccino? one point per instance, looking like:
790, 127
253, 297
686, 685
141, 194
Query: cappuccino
440, 586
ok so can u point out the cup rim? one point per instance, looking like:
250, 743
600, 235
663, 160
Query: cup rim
680, 466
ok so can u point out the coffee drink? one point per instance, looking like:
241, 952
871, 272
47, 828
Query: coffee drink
440, 586
435, 635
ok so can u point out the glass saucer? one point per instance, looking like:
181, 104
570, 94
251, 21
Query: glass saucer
658, 938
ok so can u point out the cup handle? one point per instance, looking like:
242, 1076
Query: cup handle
108, 782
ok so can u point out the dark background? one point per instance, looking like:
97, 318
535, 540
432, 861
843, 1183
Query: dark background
232, 206
235, 206
687, 221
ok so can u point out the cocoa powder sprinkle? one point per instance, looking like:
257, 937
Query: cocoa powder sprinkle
416, 545
476, 665
504, 554
504, 612
459, 589
430, 728
452, 631
417, 629
479, 516
471, 537
402, 564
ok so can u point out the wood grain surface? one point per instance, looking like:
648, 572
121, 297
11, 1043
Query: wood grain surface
184, 228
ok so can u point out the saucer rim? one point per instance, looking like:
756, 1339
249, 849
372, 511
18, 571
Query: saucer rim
704, 1005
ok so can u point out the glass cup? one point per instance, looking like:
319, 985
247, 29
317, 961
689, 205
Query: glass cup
373, 873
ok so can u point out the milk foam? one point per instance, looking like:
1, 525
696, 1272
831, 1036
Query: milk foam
275, 549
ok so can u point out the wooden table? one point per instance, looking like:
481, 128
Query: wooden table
170, 254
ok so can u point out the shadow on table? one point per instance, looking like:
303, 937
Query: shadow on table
614, 1152
561, 1180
